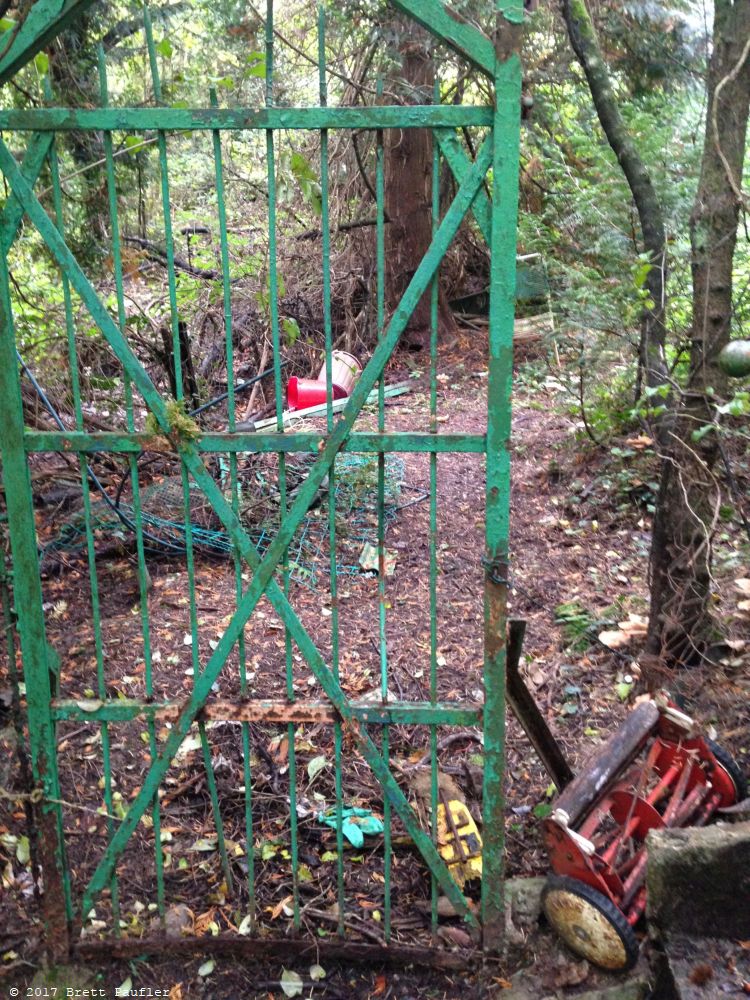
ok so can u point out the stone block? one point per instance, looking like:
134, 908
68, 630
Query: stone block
698, 881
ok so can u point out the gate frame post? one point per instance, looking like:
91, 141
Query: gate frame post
506, 130
27, 599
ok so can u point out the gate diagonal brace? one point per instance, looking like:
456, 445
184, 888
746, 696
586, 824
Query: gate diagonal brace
44, 21
459, 163
263, 576
12, 213
464, 38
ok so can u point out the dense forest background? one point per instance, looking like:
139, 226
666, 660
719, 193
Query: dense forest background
629, 111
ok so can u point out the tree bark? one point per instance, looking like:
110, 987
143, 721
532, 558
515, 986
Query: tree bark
408, 190
689, 494
586, 46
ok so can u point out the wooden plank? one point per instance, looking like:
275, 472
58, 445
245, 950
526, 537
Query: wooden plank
607, 761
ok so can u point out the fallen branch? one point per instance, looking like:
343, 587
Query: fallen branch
155, 252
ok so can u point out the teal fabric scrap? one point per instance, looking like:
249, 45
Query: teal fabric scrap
355, 823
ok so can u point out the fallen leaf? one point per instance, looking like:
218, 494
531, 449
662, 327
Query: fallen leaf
622, 690
207, 968
123, 990
317, 972
381, 984
456, 936
291, 983
283, 906
639, 442
570, 974
315, 766
614, 638
89, 704
278, 749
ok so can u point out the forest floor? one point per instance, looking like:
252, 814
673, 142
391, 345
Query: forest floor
579, 545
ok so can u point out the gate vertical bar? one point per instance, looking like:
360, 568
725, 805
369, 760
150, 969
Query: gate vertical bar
143, 581
27, 596
506, 129
328, 332
179, 395
273, 307
234, 483
433, 531
382, 632
75, 386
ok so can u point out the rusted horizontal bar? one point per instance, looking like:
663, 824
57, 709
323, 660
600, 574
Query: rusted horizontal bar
259, 710
79, 441
281, 947
192, 119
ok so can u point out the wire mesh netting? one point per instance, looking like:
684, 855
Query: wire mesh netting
162, 515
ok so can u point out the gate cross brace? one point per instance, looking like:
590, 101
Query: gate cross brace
462, 37
44, 21
263, 569
33, 161
459, 163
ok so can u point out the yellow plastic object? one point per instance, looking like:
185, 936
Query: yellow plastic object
465, 859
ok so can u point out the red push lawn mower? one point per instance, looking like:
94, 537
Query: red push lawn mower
657, 771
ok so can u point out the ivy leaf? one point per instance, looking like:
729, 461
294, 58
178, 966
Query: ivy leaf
291, 330
256, 64
542, 810
701, 432
268, 851
133, 144
642, 272
23, 852
317, 972
165, 48
41, 61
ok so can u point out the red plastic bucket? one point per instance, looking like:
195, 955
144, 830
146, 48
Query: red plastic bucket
302, 393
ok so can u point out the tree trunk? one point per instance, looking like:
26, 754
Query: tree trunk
408, 190
586, 46
689, 494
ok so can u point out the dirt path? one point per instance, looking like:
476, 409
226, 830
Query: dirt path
579, 540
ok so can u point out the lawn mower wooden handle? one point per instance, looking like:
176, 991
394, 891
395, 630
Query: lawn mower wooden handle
607, 763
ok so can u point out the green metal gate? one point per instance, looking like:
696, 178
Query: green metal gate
69, 900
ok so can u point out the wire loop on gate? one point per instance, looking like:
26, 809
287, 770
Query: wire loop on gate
496, 571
